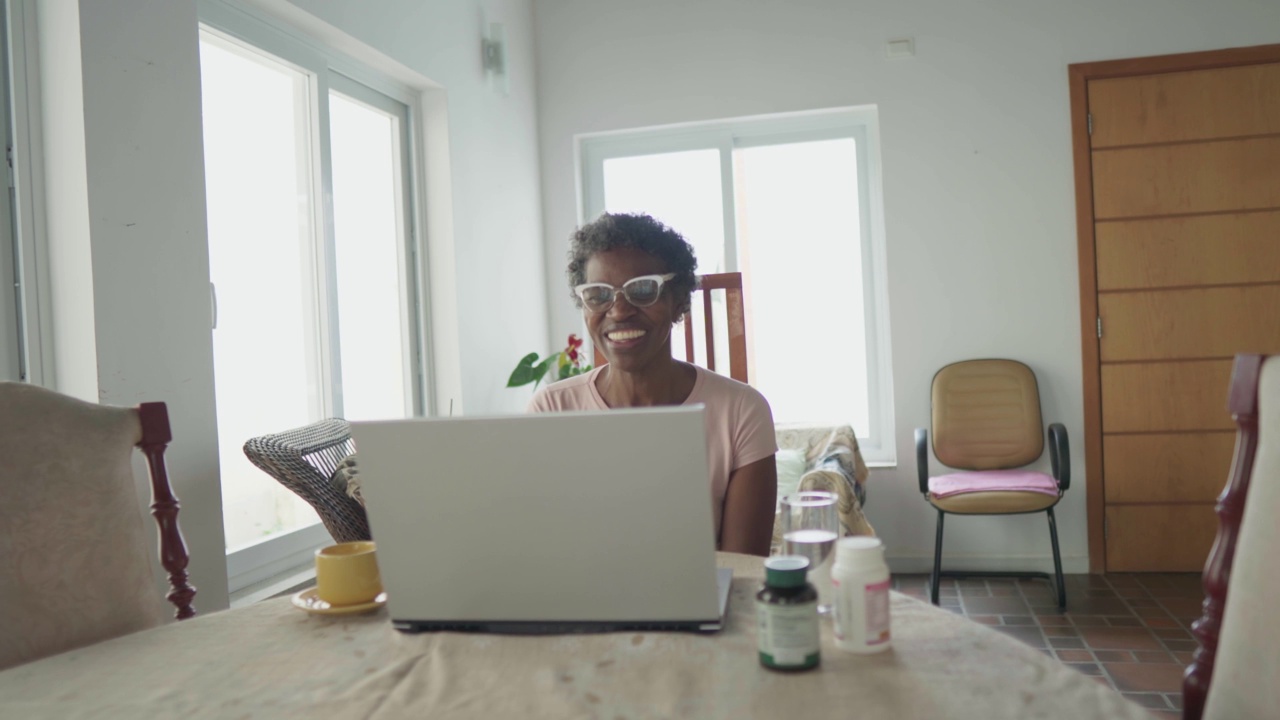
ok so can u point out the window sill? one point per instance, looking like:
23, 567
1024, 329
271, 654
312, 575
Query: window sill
881, 464
284, 583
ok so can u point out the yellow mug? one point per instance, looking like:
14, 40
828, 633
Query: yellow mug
347, 573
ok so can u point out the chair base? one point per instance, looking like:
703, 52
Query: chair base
1055, 580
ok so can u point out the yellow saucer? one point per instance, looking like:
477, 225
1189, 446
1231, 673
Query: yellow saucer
310, 601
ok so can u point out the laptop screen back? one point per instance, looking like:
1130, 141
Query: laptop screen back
586, 516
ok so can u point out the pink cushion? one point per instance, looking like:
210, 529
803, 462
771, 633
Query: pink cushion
992, 480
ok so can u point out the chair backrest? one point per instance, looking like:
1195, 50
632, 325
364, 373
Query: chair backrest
1237, 664
304, 460
986, 415
75, 567
735, 324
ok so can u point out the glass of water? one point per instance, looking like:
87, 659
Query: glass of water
810, 526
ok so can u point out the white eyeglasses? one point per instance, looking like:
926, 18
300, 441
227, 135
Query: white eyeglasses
640, 291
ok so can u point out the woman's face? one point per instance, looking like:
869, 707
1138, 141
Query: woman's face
630, 337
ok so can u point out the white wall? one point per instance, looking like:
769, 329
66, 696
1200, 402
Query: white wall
977, 175
493, 154
124, 194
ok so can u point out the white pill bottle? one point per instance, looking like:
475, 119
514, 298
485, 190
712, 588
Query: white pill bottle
860, 583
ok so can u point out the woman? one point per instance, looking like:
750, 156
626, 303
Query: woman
634, 277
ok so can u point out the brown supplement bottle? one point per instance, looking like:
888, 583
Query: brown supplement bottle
787, 616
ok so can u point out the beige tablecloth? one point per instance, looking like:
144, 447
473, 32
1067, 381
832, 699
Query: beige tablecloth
271, 660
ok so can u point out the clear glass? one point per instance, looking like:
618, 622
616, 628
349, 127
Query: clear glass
810, 525
368, 220
800, 250
261, 239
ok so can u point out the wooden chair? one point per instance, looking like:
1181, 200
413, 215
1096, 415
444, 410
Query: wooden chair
74, 564
1233, 672
304, 460
986, 421
731, 285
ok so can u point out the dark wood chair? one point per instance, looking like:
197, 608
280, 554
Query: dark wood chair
986, 422
1234, 671
74, 564
735, 321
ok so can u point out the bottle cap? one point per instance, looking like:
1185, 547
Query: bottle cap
859, 548
785, 571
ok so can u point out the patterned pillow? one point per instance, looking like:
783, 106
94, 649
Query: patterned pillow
346, 479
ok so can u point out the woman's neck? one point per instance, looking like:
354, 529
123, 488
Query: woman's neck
667, 384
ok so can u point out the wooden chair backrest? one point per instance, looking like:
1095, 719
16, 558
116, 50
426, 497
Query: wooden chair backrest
1242, 401
731, 285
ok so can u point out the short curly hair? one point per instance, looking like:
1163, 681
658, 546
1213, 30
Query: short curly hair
612, 231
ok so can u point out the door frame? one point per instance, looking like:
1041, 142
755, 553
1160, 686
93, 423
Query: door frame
1079, 75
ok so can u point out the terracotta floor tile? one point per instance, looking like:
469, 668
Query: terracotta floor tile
1086, 668
1074, 656
1053, 620
1153, 701
985, 619
1069, 643
1120, 580
1079, 605
1183, 606
1150, 612
1126, 621
1104, 679
1153, 656
1110, 656
968, 592
1141, 602
1019, 620
1158, 622
952, 608
1003, 591
1183, 657
1060, 632
1172, 634
1132, 593
1187, 645
1116, 638
996, 606
1090, 620
1028, 634
1146, 677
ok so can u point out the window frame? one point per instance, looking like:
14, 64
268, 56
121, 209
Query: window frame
328, 70
859, 123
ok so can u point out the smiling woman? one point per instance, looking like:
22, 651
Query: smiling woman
633, 277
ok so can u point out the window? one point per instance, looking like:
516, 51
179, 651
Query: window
311, 254
792, 202
11, 336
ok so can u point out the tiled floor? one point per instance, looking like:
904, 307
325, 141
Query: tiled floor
1130, 631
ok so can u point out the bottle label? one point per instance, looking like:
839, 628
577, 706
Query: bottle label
787, 635
862, 620
878, 613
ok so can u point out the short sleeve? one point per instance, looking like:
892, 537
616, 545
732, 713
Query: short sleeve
754, 437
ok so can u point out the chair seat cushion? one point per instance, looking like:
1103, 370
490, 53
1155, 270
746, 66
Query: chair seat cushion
990, 480
996, 502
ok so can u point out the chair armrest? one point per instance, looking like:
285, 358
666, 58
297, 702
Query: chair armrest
922, 459
1060, 455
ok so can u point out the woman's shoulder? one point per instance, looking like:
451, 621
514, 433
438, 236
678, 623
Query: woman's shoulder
572, 393
714, 386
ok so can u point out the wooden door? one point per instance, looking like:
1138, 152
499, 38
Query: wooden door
1184, 169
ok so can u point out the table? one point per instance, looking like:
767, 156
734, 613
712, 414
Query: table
271, 660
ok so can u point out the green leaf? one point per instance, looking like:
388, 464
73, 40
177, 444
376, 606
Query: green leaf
525, 371
540, 370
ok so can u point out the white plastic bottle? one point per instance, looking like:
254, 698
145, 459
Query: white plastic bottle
860, 580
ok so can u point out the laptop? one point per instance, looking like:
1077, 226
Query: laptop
544, 523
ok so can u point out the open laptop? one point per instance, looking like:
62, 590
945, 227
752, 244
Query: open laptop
544, 523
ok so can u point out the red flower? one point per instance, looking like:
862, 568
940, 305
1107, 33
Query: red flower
575, 342
573, 354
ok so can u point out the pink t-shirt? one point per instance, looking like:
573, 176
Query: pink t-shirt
739, 422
